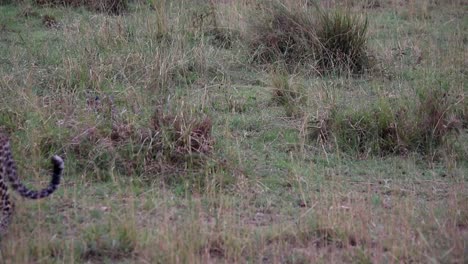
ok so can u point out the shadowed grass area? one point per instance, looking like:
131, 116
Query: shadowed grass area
181, 147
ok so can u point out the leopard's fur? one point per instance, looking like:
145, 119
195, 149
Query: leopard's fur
8, 171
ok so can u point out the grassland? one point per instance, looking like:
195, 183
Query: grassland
181, 147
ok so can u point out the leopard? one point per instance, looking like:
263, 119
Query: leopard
8, 172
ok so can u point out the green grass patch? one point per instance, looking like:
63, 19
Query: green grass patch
238, 131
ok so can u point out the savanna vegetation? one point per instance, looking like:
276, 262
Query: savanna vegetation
248, 131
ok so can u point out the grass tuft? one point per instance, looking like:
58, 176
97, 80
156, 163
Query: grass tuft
114, 7
330, 40
393, 126
167, 144
281, 33
342, 40
289, 93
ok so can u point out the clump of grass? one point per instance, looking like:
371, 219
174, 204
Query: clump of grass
161, 10
342, 41
364, 130
106, 242
281, 33
218, 34
114, 7
167, 143
287, 92
393, 127
186, 133
5, 2
329, 40
435, 117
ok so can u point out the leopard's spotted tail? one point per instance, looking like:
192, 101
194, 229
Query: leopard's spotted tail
57, 170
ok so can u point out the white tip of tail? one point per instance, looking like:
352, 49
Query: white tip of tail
57, 159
